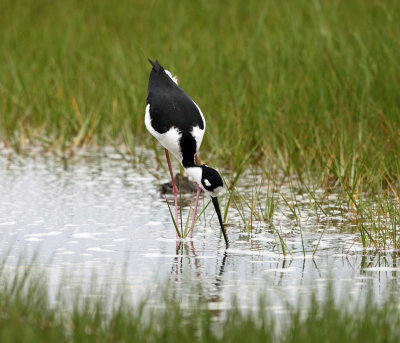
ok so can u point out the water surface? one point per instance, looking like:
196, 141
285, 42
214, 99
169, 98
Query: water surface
96, 213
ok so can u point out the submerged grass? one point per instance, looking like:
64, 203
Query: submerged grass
28, 315
309, 88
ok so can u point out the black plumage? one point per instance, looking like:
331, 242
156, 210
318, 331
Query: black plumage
170, 106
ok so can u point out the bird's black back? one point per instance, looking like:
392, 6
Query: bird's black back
170, 106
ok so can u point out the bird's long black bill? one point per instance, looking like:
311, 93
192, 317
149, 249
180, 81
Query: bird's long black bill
216, 205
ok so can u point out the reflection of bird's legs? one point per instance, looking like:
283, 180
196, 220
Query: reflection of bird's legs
196, 261
175, 189
196, 202
176, 261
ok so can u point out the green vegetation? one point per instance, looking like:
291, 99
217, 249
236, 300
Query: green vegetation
299, 90
309, 88
27, 315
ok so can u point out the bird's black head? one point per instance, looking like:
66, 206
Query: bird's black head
211, 181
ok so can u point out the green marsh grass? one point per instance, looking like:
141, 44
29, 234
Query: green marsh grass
28, 315
305, 84
309, 88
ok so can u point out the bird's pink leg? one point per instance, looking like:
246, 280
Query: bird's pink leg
195, 210
196, 202
175, 189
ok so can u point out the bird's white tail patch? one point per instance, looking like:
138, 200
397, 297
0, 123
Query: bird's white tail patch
172, 77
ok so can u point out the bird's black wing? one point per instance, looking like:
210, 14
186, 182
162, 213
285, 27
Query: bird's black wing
170, 106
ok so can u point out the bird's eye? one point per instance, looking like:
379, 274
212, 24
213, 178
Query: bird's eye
207, 183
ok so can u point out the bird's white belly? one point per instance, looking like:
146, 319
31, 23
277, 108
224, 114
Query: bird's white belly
169, 140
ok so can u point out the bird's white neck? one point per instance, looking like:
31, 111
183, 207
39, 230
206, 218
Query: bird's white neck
195, 173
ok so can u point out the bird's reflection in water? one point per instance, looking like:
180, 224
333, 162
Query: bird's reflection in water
207, 286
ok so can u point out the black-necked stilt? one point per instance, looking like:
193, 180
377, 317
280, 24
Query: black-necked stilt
176, 121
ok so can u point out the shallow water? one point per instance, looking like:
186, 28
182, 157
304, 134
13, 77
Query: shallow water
96, 214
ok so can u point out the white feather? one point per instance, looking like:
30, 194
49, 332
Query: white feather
195, 173
169, 140
172, 77
218, 191
202, 117
198, 134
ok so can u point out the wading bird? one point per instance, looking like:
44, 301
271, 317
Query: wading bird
176, 121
